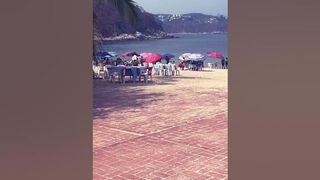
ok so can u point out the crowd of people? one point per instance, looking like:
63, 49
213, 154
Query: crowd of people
170, 65
135, 61
223, 64
191, 65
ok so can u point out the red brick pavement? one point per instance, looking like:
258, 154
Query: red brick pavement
142, 132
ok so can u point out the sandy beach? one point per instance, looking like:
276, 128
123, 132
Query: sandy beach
172, 128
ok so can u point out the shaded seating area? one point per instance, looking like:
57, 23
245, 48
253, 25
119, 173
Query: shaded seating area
123, 74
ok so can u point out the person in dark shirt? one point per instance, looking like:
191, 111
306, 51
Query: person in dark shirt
227, 62
223, 63
167, 59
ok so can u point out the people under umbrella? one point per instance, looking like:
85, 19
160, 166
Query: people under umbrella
132, 64
221, 61
108, 65
191, 61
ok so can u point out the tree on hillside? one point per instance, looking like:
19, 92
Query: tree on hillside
126, 8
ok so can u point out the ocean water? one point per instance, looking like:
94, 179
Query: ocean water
186, 43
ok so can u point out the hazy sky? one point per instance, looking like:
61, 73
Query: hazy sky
212, 7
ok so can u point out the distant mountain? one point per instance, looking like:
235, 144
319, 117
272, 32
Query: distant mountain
193, 23
111, 26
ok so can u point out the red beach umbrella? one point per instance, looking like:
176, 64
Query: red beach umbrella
145, 54
153, 58
216, 55
129, 53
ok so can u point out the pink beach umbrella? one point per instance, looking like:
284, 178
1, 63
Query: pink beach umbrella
129, 53
153, 58
216, 55
145, 54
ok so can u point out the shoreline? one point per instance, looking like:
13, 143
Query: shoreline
217, 33
136, 37
143, 37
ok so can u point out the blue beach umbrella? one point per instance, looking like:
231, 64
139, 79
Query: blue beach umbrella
167, 56
102, 54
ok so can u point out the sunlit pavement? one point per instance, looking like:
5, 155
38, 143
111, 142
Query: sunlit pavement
174, 128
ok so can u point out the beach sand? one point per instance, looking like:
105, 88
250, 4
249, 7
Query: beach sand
172, 128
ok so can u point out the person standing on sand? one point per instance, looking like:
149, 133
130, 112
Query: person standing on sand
227, 62
223, 62
216, 65
167, 59
181, 66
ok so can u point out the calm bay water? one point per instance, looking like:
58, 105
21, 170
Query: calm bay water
187, 43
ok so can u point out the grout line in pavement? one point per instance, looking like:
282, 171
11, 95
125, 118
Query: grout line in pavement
139, 135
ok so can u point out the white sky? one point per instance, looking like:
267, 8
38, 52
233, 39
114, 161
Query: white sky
212, 7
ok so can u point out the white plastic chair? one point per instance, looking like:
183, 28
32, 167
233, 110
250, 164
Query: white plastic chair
156, 68
161, 69
120, 75
99, 71
169, 69
143, 73
175, 70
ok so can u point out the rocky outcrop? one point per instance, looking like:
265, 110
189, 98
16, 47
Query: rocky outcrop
109, 23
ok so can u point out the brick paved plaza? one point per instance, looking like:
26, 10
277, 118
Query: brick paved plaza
173, 128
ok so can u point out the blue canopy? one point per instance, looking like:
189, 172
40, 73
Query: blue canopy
103, 54
167, 56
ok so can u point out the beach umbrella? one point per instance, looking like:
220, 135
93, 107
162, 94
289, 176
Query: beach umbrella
191, 56
108, 56
145, 54
113, 54
215, 55
129, 53
184, 56
167, 56
196, 57
153, 58
102, 54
